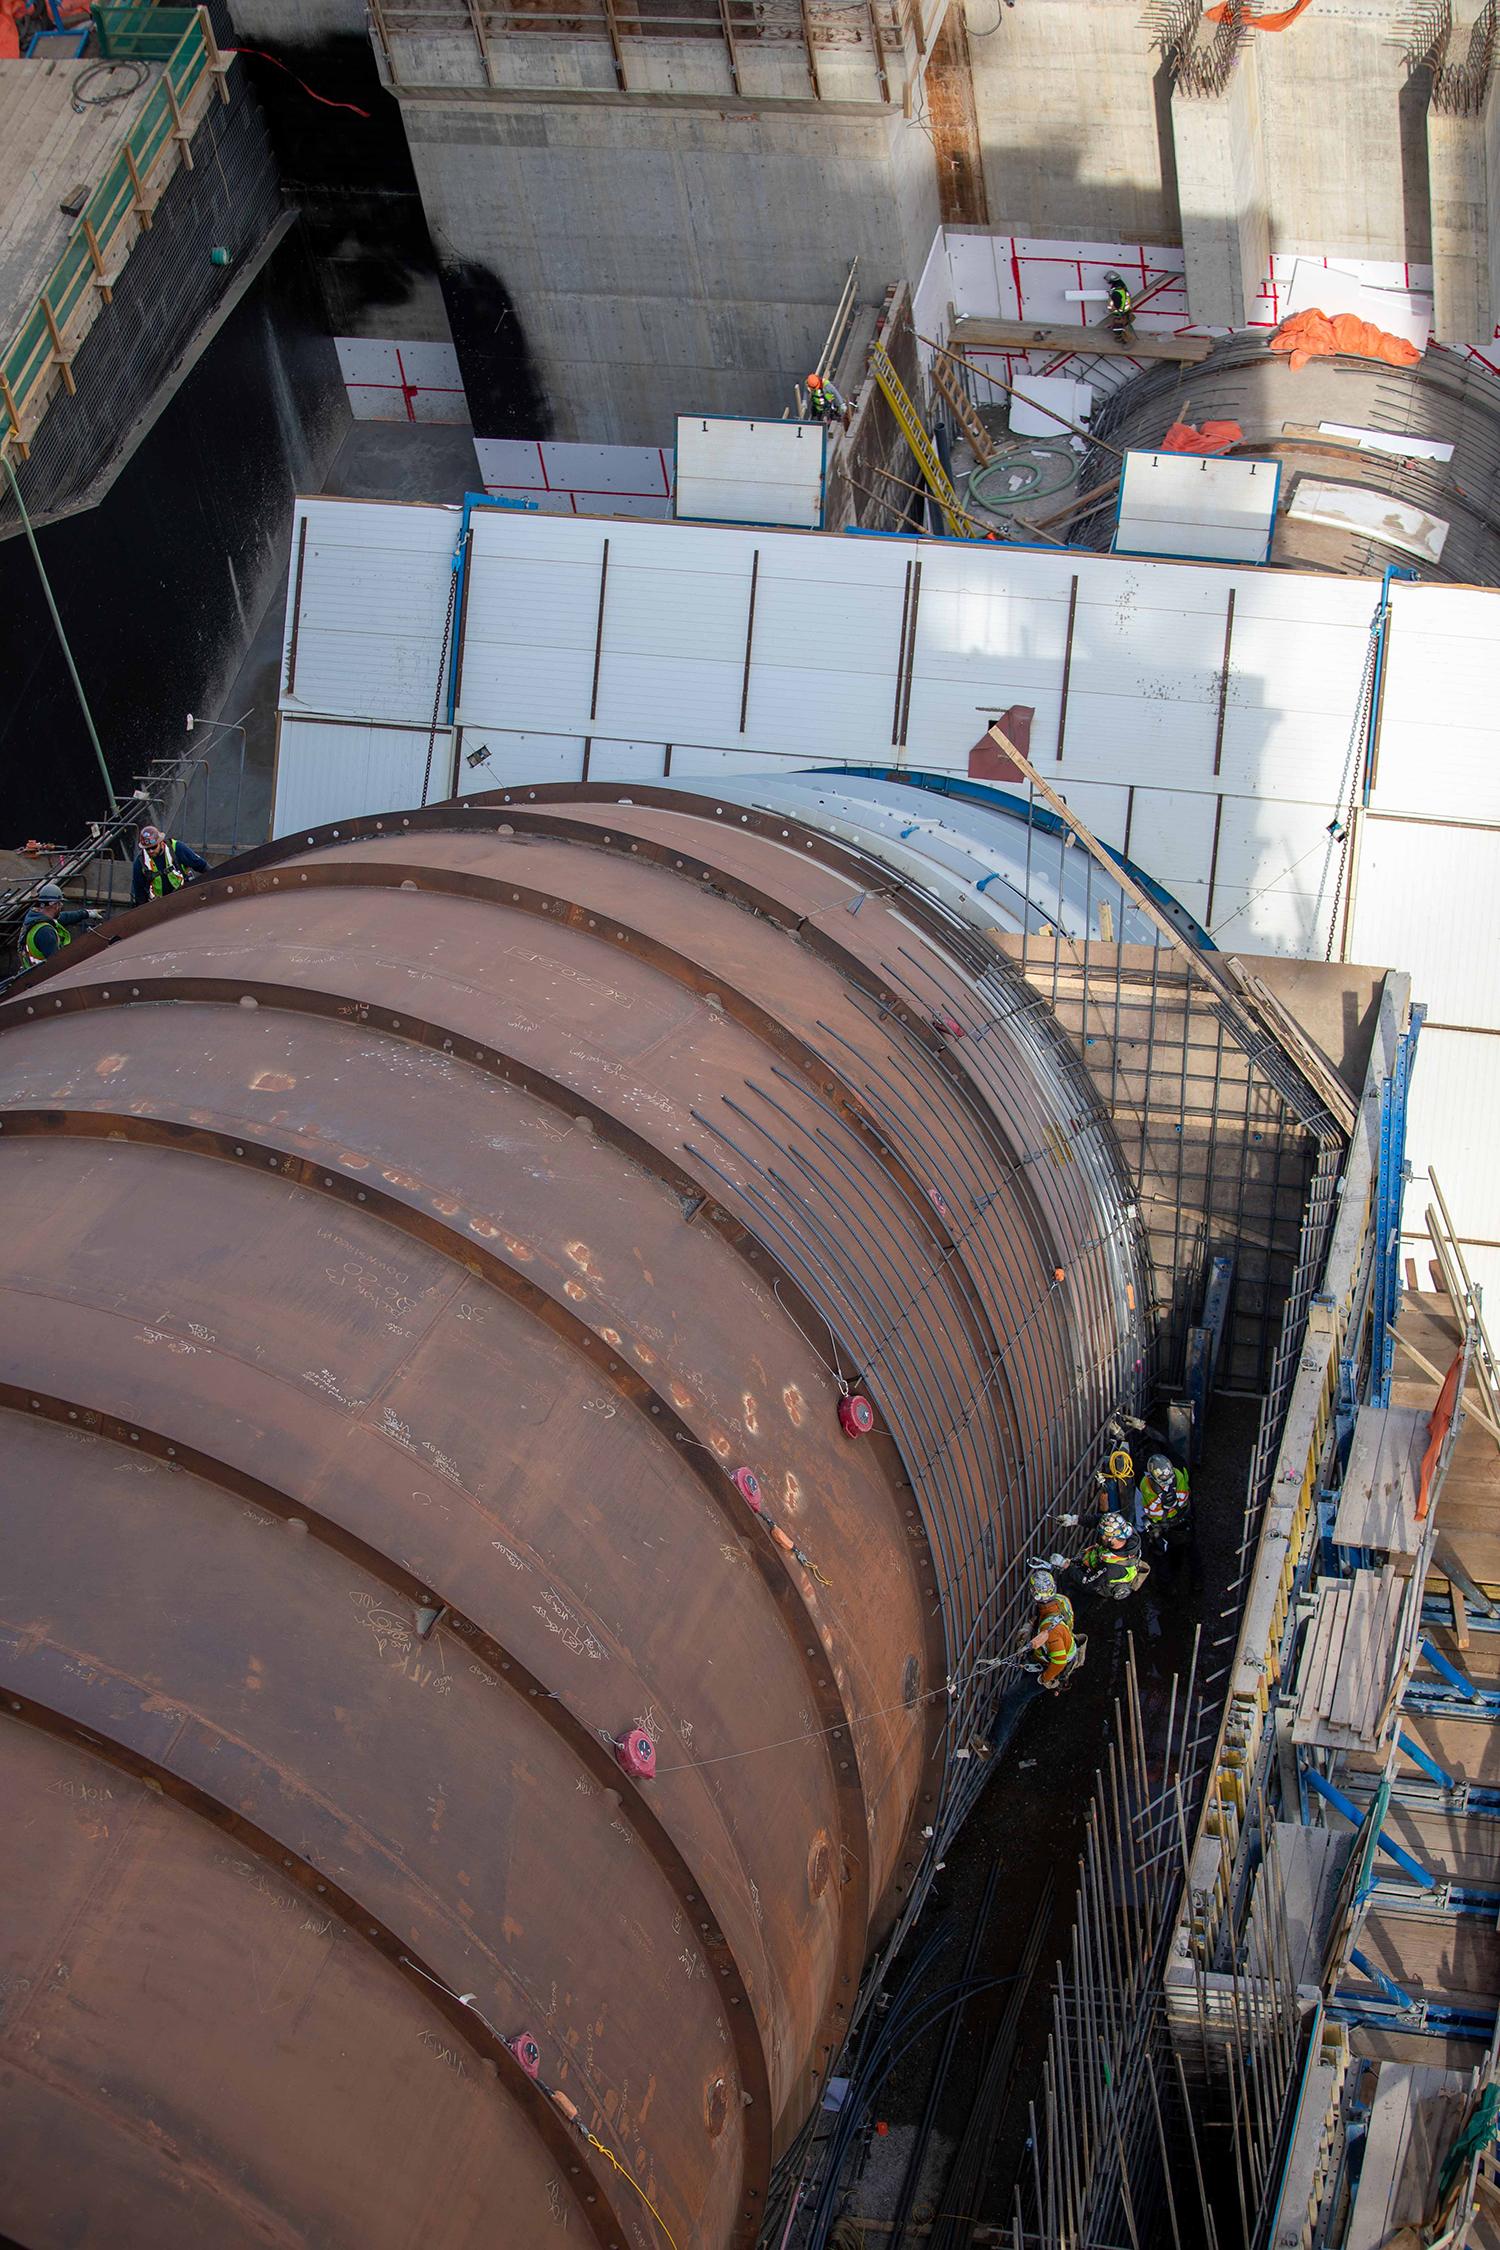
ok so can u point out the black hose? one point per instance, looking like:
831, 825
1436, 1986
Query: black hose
135, 64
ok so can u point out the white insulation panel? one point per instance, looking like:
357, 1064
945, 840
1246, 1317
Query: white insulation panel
328, 769
567, 653
1196, 504
366, 602
1438, 754
732, 470
1424, 901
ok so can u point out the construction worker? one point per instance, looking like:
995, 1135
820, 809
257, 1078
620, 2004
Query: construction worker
1120, 304
162, 865
1166, 1501
1112, 1565
1054, 1652
824, 402
49, 925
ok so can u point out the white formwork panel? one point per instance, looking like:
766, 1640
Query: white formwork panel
1103, 807
1438, 752
1455, 1098
734, 469
328, 769
826, 651
1274, 873
1298, 651
516, 758
625, 761
1424, 901
367, 597
1196, 504
1171, 837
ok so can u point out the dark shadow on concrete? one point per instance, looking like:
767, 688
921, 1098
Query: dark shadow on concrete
1171, 201
505, 393
1416, 188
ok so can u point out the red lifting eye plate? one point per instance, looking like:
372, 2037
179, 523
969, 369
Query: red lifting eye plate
527, 2053
636, 1752
747, 1484
856, 1415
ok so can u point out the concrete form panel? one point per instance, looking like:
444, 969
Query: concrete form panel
1455, 1098
1183, 504
732, 470
1438, 753
367, 595
1424, 899
330, 771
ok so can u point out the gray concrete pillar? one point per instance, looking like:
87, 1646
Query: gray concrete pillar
1458, 190
1221, 191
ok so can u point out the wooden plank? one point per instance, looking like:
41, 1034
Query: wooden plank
1460, 1616
1021, 335
1384, 2141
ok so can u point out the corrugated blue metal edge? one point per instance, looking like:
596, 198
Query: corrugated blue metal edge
1017, 808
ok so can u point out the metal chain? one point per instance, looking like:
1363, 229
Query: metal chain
442, 674
1344, 812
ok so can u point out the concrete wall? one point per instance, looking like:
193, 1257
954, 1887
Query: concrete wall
1074, 121
1222, 192
1460, 228
663, 259
1074, 141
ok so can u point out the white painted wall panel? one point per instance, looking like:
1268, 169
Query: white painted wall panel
1171, 836
1181, 504
1101, 806
1273, 877
757, 472
369, 612
1439, 746
1425, 901
516, 757
330, 771
1455, 1098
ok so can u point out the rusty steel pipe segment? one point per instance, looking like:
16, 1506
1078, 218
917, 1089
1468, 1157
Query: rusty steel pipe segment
537, 1337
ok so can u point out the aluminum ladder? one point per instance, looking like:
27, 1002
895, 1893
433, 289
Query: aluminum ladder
912, 429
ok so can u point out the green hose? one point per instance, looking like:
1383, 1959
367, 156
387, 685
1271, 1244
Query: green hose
1032, 457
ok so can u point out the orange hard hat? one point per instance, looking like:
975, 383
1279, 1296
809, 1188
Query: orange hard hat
815, 381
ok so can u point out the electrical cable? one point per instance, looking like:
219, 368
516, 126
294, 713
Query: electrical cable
468, 2000
323, 99
133, 63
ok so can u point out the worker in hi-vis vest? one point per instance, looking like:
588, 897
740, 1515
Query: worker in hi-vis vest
49, 925
1054, 1652
1121, 303
162, 865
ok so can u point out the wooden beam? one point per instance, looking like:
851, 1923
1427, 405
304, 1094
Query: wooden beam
96, 257
1097, 343
62, 360
481, 39
142, 207
180, 133
734, 60
812, 60
1460, 1616
218, 67
16, 436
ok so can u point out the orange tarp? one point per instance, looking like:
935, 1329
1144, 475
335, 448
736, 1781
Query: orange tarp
1313, 335
1209, 437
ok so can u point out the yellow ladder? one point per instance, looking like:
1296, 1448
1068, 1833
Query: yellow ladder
938, 481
